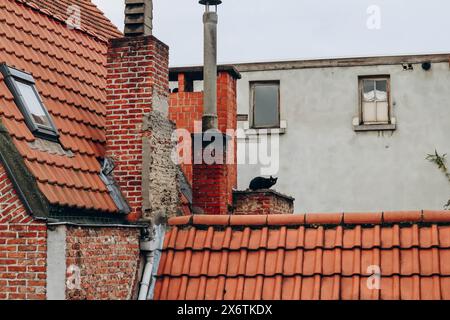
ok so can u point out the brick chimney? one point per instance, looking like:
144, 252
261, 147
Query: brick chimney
138, 131
186, 108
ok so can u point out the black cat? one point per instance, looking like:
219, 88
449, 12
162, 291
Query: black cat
260, 183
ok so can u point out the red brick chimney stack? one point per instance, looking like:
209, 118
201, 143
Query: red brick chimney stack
137, 74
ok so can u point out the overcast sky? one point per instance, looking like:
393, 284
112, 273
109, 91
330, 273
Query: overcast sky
268, 30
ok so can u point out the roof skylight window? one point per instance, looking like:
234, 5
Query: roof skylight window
26, 96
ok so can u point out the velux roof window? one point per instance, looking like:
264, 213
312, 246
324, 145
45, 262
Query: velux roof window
26, 96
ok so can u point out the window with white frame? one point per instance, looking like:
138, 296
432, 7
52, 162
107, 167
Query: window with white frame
27, 98
265, 104
375, 100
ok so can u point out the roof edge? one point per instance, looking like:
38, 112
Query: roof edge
375, 218
22, 179
35, 202
342, 62
326, 63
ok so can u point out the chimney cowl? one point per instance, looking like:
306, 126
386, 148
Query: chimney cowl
138, 18
210, 2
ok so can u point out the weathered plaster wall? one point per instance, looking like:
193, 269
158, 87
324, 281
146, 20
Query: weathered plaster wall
327, 166
56, 262
160, 173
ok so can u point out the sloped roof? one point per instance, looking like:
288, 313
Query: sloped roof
302, 257
92, 18
69, 69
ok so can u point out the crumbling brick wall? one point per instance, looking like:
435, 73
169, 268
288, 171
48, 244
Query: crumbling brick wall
261, 202
108, 260
23, 250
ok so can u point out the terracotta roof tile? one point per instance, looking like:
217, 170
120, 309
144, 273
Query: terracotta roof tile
362, 218
211, 220
92, 19
396, 217
328, 259
249, 220
69, 69
180, 221
436, 216
321, 218
286, 219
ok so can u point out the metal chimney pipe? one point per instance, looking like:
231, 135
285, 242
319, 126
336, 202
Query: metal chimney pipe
210, 20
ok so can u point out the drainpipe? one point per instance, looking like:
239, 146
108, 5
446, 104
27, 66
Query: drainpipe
152, 251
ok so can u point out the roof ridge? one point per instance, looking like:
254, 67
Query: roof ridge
374, 218
60, 19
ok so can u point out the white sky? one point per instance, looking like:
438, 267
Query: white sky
267, 30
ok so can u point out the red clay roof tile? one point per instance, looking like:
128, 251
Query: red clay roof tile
436, 216
92, 19
362, 218
180, 221
324, 218
211, 220
330, 260
396, 217
69, 69
286, 219
250, 220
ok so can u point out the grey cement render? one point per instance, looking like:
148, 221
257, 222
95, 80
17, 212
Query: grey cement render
328, 167
56, 263
160, 183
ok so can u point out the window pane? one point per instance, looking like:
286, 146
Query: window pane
369, 90
369, 112
266, 113
33, 104
382, 112
381, 93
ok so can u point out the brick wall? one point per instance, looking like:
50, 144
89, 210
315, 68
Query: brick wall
210, 189
187, 107
262, 202
184, 109
108, 259
23, 250
227, 113
137, 85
